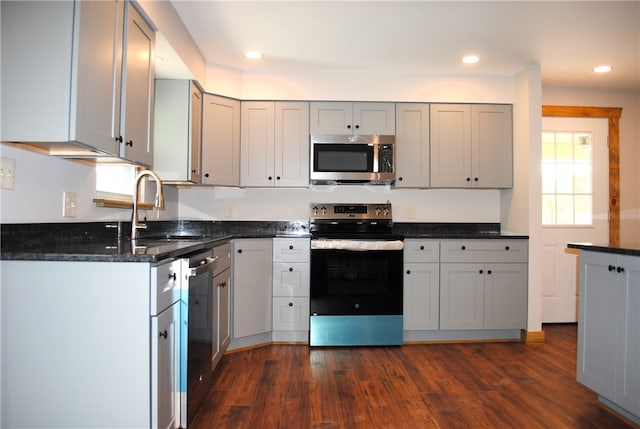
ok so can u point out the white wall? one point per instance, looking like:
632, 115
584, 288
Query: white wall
40, 181
629, 145
360, 86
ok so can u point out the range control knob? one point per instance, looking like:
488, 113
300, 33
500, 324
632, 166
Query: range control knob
314, 210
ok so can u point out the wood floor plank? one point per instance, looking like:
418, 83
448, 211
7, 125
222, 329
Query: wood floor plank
484, 385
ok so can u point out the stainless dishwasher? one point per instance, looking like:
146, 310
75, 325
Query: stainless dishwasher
196, 315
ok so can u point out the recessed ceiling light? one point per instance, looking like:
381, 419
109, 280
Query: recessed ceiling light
253, 55
470, 59
602, 69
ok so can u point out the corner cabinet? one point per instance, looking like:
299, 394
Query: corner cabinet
274, 144
483, 284
76, 335
252, 289
177, 125
412, 145
352, 118
97, 99
609, 329
471, 146
220, 141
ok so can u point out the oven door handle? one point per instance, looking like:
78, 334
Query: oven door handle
357, 245
205, 265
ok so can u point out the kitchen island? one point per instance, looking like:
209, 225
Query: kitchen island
609, 324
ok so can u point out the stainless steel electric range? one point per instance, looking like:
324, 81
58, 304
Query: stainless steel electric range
356, 276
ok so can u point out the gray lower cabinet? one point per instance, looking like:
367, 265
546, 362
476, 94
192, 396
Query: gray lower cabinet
291, 279
87, 344
421, 285
483, 284
609, 329
252, 290
221, 330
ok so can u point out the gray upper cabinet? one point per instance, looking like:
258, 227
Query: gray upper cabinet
412, 145
346, 117
274, 144
471, 146
220, 141
97, 95
177, 125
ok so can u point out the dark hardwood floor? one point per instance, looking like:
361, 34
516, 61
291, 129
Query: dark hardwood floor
482, 385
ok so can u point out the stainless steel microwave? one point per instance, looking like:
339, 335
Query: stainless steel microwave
352, 158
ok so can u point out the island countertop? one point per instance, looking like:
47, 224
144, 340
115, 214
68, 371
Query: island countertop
629, 248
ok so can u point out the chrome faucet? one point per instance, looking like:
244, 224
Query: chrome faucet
159, 201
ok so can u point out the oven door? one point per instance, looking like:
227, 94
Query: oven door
356, 277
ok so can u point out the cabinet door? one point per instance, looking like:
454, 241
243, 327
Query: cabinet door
421, 296
450, 146
412, 145
257, 138
137, 89
195, 135
461, 296
628, 361
220, 141
492, 149
374, 118
291, 144
505, 296
97, 80
252, 285
331, 118
224, 312
597, 341
164, 369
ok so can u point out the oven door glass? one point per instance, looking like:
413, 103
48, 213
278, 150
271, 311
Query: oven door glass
343, 158
345, 282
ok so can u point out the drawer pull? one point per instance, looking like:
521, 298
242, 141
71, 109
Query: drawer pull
291, 304
408, 271
172, 276
620, 269
290, 269
480, 272
164, 334
421, 247
463, 247
506, 247
223, 284
611, 268
488, 271
290, 247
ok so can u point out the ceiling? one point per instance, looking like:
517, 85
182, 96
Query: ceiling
567, 38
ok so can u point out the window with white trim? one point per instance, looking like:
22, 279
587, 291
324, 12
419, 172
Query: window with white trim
567, 178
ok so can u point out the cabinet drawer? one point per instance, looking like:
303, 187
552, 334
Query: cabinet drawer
484, 250
421, 250
291, 314
165, 285
291, 279
291, 249
222, 257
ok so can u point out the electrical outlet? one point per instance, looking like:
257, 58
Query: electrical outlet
7, 173
411, 211
69, 201
228, 211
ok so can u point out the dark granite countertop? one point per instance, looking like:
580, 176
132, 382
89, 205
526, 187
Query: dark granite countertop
98, 241
632, 249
